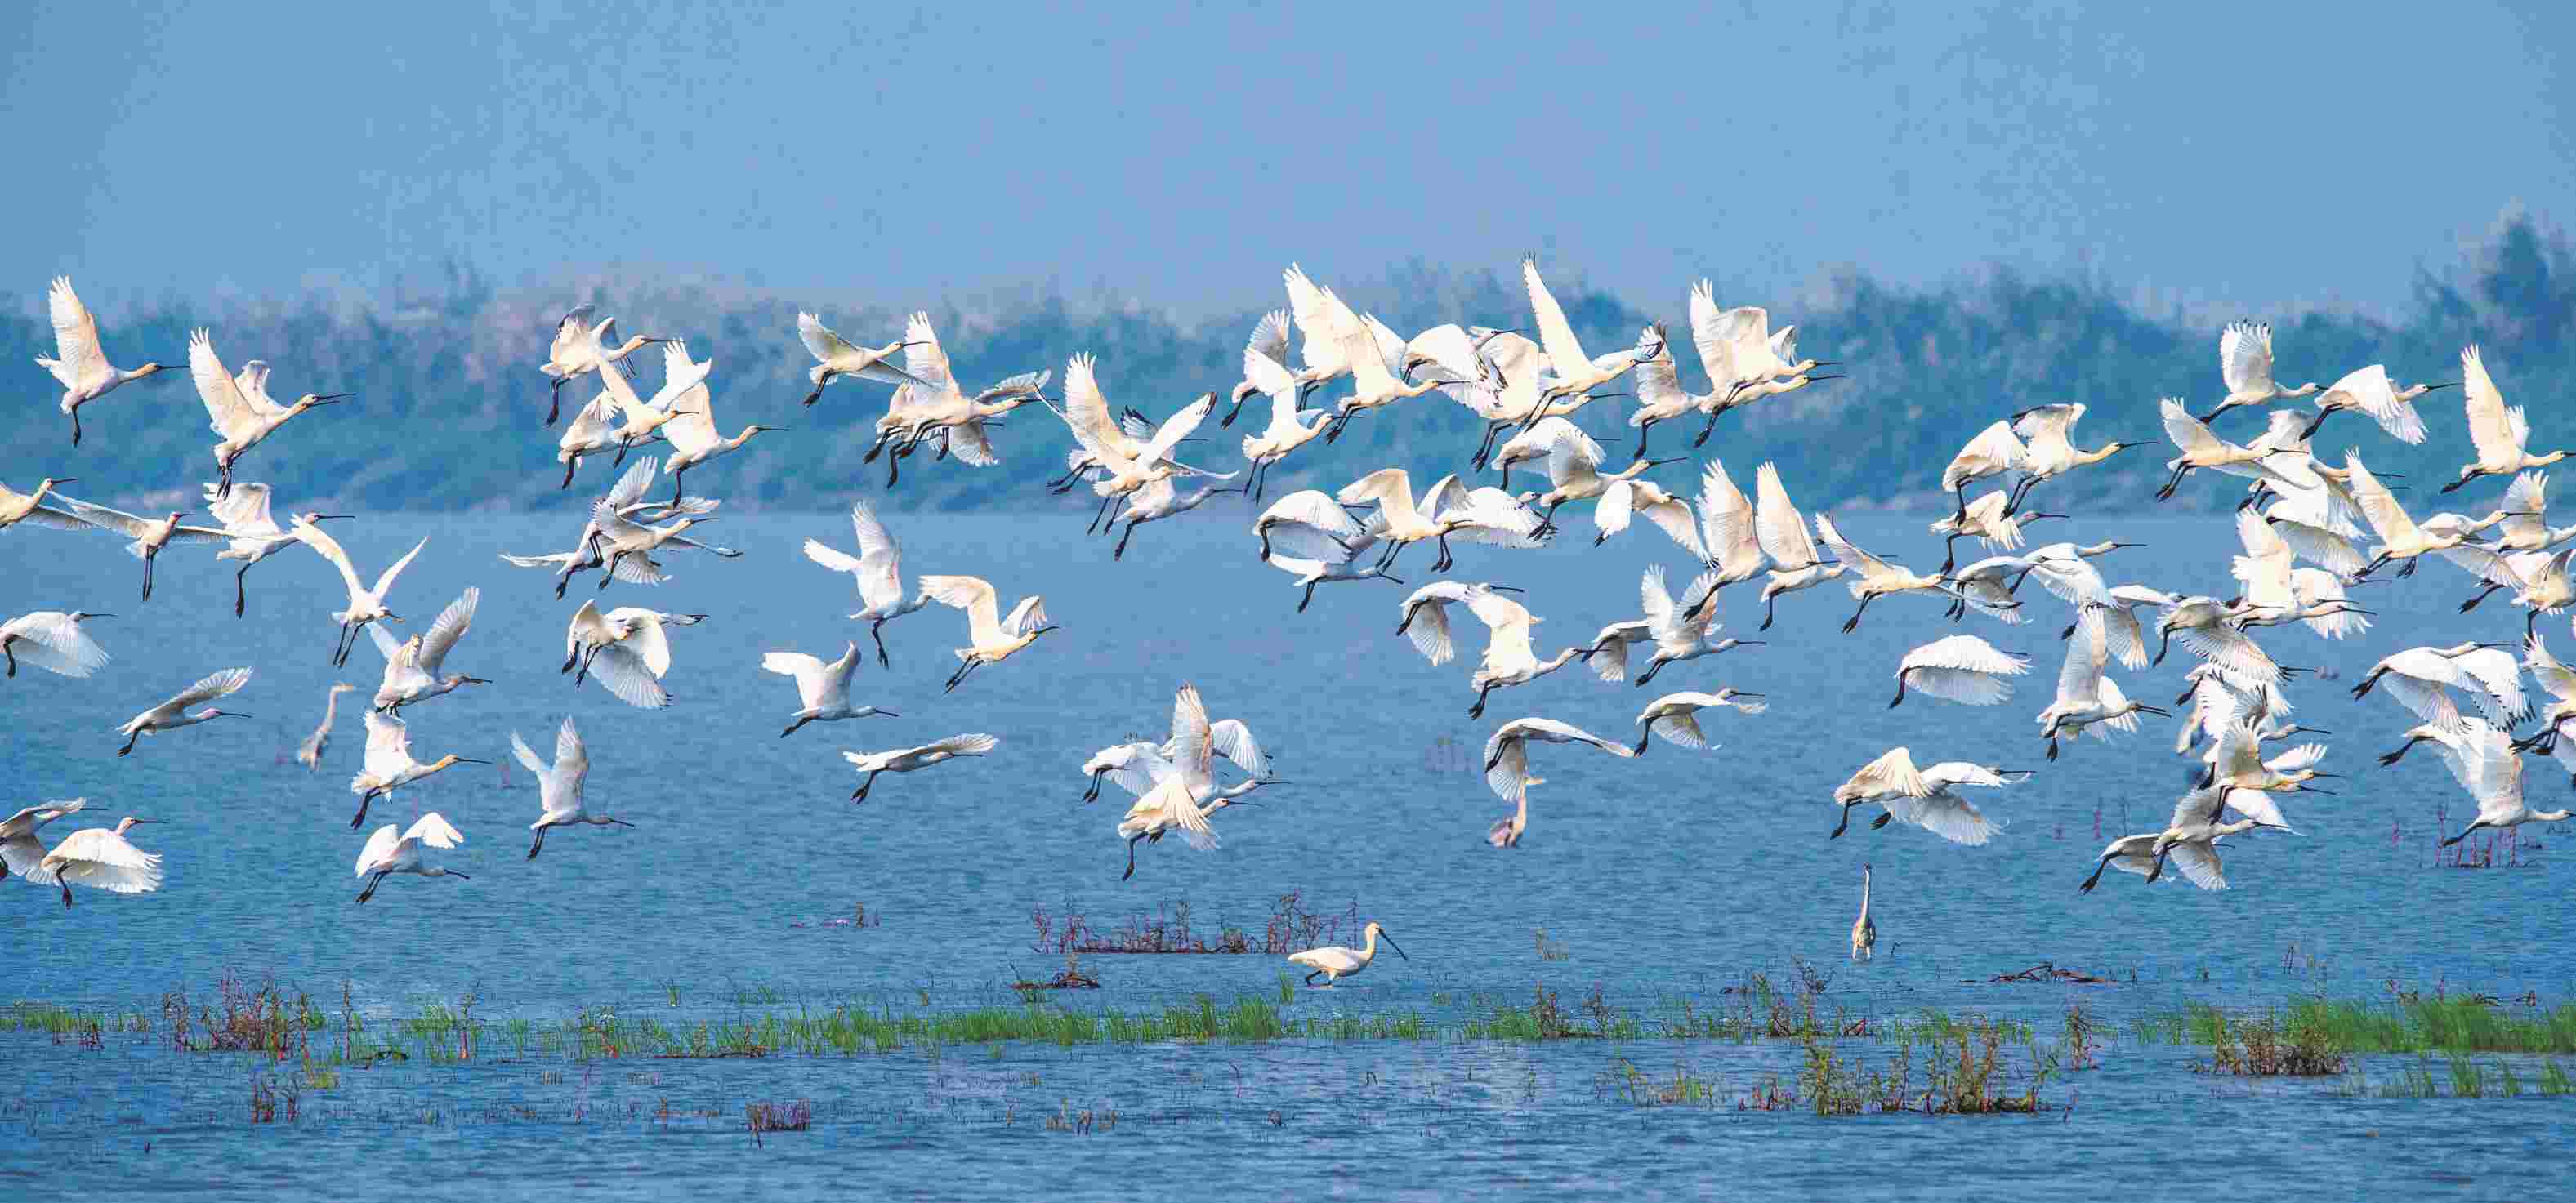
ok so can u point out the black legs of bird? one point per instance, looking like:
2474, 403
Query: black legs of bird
792, 729
241, 598
364, 800
1853, 623
876, 631
861, 794
554, 410
1478, 710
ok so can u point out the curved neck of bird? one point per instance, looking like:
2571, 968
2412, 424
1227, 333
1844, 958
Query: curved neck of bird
1567, 654
1369, 950
2552, 816
2094, 457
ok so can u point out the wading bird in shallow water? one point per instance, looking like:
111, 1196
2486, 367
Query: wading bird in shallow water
53, 641
310, 753
78, 362
173, 714
824, 688
387, 854
20, 852
559, 785
389, 763
1334, 962
905, 760
1864, 932
101, 859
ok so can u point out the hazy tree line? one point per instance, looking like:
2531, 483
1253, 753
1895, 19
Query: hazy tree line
449, 401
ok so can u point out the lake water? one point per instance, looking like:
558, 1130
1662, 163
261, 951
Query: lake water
1656, 880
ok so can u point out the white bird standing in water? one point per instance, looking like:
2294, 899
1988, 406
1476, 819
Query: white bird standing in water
559, 785
1334, 962
386, 854
53, 641
101, 859
173, 714
389, 763
20, 852
905, 760
878, 569
309, 754
78, 362
1864, 932
824, 688
991, 640
1675, 716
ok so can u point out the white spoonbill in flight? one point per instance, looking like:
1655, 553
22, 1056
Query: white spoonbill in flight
365, 605
991, 639
1171, 780
387, 854
582, 347
78, 362
53, 641
101, 859
1509, 659
878, 569
2048, 438
1334, 962
389, 763
255, 534
835, 357
149, 535
17, 507
628, 649
239, 407
1576, 372
559, 785
1423, 617
413, 667
2486, 764
173, 714
1675, 716
2245, 364
309, 753
1686, 633
2369, 391
692, 429
2087, 699
824, 688
905, 760
1889, 777
1961, 668
1507, 767
20, 851
1947, 813
2502, 435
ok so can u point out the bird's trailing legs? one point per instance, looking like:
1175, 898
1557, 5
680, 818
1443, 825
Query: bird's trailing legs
861, 794
876, 631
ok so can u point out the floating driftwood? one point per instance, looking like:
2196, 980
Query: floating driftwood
2045, 971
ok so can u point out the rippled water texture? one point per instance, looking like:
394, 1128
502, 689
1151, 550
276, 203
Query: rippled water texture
1658, 880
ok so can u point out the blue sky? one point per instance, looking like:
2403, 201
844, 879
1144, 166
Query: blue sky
2249, 154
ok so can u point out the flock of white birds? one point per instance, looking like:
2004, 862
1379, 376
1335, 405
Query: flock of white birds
2466, 698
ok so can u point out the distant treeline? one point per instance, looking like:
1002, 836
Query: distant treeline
449, 402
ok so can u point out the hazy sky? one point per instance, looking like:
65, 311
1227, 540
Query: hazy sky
2248, 153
